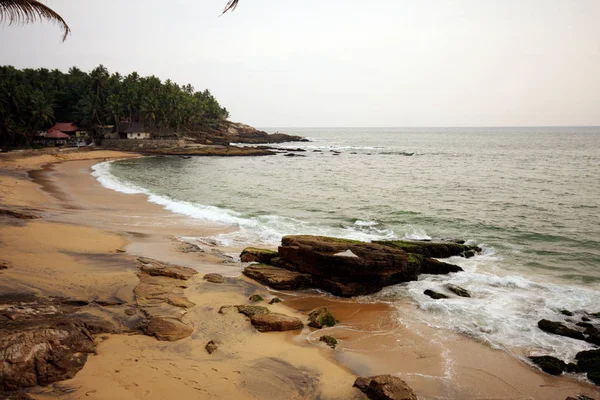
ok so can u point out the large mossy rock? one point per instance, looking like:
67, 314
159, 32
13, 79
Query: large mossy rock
432, 249
321, 318
252, 254
348, 267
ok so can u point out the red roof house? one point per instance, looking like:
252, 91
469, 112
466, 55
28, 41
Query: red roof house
56, 134
64, 127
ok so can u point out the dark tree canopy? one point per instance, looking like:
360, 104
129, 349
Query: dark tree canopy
34, 99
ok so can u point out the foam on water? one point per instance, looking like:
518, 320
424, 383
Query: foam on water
503, 310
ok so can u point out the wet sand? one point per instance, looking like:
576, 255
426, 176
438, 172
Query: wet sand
76, 250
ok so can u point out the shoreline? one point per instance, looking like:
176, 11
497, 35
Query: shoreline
435, 364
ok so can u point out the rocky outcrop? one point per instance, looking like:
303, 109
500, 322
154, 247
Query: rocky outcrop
320, 318
235, 132
432, 249
589, 362
160, 295
275, 322
385, 387
348, 267
553, 366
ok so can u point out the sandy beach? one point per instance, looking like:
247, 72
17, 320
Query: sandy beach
86, 244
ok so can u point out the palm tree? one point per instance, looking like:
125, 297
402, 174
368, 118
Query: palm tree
231, 5
23, 12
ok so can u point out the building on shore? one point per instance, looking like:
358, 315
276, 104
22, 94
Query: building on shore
133, 130
69, 128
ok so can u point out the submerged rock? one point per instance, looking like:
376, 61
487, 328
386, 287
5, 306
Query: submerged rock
320, 318
434, 295
385, 387
457, 290
214, 278
275, 322
558, 328
329, 341
275, 300
566, 312
253, 254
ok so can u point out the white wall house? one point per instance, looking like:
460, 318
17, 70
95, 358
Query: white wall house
138, 135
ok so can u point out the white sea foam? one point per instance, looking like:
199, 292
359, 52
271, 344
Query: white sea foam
503, 310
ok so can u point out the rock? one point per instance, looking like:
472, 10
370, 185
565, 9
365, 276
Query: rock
255, 298
585, 319
275, 322
211, 347
431, 249
385, 387
278, 278
457, 290
167, 328
4, 265
42, 352
566, 312
155, 290
121, 251
372, 267
594, 339
558, 328
434, 295
550, 365
157, 268
250, 311
253, 254
594, 376
109, 302
320, 317
186, 247
15, 396
275, 300
469, 253
588, 360
130, 312
214, 278
329, 341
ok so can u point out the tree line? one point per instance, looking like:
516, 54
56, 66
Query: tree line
34, 99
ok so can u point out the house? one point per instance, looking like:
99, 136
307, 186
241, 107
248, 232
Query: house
133, 130
54, 138
68, 128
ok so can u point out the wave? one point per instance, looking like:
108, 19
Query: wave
252, 229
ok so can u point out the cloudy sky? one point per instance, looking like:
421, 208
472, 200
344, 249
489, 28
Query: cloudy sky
344, 62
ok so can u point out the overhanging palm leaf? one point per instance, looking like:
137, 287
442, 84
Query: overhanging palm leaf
28, 11
231, 5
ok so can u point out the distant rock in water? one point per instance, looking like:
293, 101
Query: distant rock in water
323, 262
434, 295
457, 290
558, 328
234, 132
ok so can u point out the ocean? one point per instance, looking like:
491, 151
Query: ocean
529, 197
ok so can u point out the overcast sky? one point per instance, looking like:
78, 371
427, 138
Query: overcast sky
344, 62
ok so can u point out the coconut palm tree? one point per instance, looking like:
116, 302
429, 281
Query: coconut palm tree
231, 5
21, 12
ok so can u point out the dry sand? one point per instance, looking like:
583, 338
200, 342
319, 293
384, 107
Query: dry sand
76, 251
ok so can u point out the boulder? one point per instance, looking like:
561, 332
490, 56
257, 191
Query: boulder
457, 290
42, 352
278, 278
255, 298
167, 328
320, 318
550, 365
434, 295
214, 278
157, 268
385, 387
275, 322
253, 254
589, 360
558, 328
329, 341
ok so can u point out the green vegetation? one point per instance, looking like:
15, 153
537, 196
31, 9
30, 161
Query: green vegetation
34, 99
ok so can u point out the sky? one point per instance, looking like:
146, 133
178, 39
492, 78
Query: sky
320, 63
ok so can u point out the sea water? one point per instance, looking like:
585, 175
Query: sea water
530, 197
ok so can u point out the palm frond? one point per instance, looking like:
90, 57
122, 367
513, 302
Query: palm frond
23, 12
230, 6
